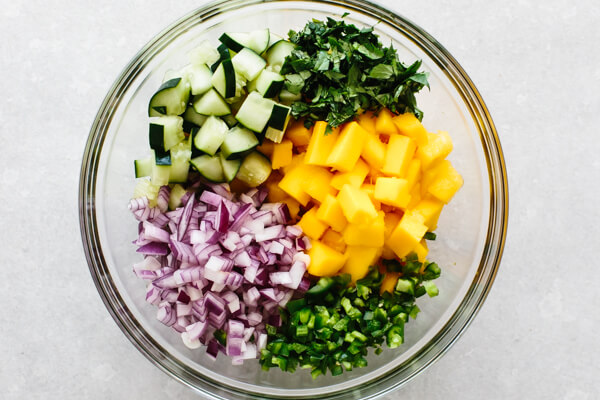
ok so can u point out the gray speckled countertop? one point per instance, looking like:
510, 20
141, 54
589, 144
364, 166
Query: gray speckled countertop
537, 65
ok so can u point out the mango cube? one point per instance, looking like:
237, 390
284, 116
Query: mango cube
293, 183
389, 282
356, 205
324, 261
390, 221
421, 250
430, 209
348, 147
370, 190
282, 154
321, 144
266, 148
319, 184
358, 261
276, 194
330, 212
407, 235
293, 207
355, 177
369, 234
409, 125
367, 121
311, 225
298, 134
413, 173
446, 183
392, 191
415, 197
437, 149
334, 240
374, 151
385, 123
400, 150
297, 159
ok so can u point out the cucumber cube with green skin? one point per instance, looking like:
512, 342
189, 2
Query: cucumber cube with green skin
171, 98
255, 112
238, 142
211, 103
257, 41
209, 167
204, 54
211, 135
199, 77
248, 63
224, 79
255, 169
165, 132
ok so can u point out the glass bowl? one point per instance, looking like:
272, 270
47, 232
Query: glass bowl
471, 230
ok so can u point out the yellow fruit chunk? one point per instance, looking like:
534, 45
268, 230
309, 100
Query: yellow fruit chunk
282, 154
385, 123
293, 207
400, 150
389, 282
415, 197
409, 125
430, 209
324, 261
369, 234
298, 134
421, 250
367, 121
413, 174
348, 147
296, 160
358, 261
293, 183
356, 205
319, 183
334, 240
311, 225
321, 144
330, 212
437, 148
355, 177
266, 148
446, 183
374, 151
276, 194
392, 191
370, 190
407, 234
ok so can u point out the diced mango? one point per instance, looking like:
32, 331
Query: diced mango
330, 212
282, 154
400, 150
324, 261
321, 144
389, 282
356, 205
407, 234
421, 250
266, 148
415, 197
348, 147
374, 151
413, 174
369, 234
437, 148
293, 183
392, 191
355, 177
297, 160
385, 123
276, 194
367, 121
293, 207
358, 261
446, 183
409, 125
429, 175
430, 209
370, 190
390, 220
334, 240
298, 133
319, 184
311, 225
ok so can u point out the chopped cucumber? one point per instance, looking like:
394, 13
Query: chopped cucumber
230, 167
278, 122
268, 83
143, 167
204, 54
278, 52
209, 167
160, 174
238, 142
165, 132
162, 157
224, 54
180, 161
211, 135
229, 120
255, 169
257, 41
223, 80
171, 98
199, 77
287, 97
145, 188
255, 112
273, 38
190, 115
248, 63
211, 103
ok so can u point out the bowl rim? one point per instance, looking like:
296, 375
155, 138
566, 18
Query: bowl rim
431, 351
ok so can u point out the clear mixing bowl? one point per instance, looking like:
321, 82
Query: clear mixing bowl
471, 231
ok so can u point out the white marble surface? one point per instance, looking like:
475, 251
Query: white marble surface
537, 65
